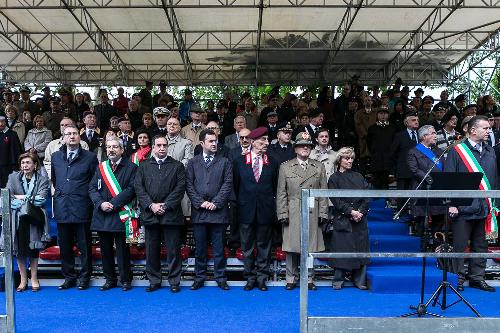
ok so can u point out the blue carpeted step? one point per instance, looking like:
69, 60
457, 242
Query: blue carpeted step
394, 243
405, 279
392, 262
387, 228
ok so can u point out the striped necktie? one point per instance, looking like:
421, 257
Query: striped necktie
255, 168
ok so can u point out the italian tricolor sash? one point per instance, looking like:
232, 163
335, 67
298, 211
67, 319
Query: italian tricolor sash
472, 165
128, 215
135, 158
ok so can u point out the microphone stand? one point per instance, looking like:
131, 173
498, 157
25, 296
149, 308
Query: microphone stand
396, 216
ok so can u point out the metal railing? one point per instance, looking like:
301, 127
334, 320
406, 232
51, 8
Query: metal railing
377, 324
7, 320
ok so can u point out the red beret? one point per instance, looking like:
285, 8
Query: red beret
257, 133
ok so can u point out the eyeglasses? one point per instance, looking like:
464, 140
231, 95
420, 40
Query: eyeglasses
70, 134
213, 128
243, 137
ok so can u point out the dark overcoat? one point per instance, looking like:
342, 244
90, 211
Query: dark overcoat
354, 238
378, 139
71, 181
487, 159
164, 183
99, 193
256, 200
211, 183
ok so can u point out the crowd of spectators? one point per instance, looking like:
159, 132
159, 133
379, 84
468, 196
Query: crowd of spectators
372, 123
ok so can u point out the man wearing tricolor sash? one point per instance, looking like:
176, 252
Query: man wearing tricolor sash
115, 218
476, 223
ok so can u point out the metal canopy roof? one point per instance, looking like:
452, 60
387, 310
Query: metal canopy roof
192, 42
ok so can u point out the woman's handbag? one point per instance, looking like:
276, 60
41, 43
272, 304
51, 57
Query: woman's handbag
29, 213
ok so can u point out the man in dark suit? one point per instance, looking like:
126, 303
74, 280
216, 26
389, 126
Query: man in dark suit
232, 141
90, 133
282, 150
470, 222
420, 160
223, 118
160, 184
402, 143
104, 112
109, 203
72, 169
315, 122
243, 147
161, 116
255, 182
127, 136
209, 182
272, 125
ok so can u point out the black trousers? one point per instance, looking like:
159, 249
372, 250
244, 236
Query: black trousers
473, 230
202, 232
106, 241
67, 235
259, 237
171, 236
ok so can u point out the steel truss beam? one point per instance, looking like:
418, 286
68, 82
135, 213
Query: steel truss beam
157, 4
341, 34
246, 40
178, 38
418, 38
237, 74
486, 48
24, 44
102, 45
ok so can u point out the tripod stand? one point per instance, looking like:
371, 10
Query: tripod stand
445, 181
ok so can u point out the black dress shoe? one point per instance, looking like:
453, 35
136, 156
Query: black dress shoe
262, 286
108, 285
175, 288
153, 287
290, 286
460, 285
67, 284
249, 286
83, 286
223, 285
126, 286
312, 286
197, 285
482, 285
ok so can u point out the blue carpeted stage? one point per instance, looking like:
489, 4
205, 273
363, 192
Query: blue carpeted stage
210, 309
394, 286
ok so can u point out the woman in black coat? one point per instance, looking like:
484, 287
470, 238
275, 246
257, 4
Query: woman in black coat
420, 160
350, 228
106, 219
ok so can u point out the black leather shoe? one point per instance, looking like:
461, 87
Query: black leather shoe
83, 286
197, 285
460, 285
482, 285
262, 286
108, 285
175, 288
312, 286
249, 286
67, 284
126, 286
153, 287
223, 285
290, 286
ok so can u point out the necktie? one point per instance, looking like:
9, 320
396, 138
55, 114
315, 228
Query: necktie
113, 166
304, 165
478, 147
89, 136
125, 139
255, 168
413, 136
208, 159
71, 155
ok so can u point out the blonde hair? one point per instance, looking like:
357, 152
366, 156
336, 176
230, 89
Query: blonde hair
343, 152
